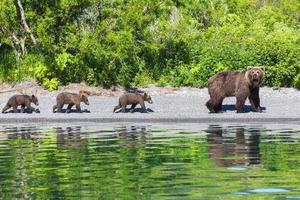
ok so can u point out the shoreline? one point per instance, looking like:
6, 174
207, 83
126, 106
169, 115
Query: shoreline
171, 105
211, 120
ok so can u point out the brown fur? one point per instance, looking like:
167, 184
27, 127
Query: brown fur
133, 99
21, 100
239, 84
87, 93
71, 99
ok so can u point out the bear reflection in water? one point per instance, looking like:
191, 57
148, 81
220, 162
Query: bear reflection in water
233, 146
75, 137
70, 137
22, 133
132, 136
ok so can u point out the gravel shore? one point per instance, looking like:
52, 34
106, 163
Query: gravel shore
183, 105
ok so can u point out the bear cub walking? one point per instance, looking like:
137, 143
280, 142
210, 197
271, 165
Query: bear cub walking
242, 85
21, 100
71, 99
133, 99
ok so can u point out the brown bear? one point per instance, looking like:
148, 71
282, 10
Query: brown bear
23, 101
71, 99
133, 99
239, 84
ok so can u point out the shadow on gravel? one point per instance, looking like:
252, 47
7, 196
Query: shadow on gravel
27, 111
140, 110
74, 111
231, 107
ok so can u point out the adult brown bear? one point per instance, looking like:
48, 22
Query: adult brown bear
239, 84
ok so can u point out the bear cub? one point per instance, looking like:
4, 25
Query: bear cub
133, 99
242, 85
21, 100
71, 99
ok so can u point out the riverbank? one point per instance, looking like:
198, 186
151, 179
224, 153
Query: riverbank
177, 105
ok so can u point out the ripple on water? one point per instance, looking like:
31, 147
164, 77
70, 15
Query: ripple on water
262, 190
292, 197
237, 168
268, 190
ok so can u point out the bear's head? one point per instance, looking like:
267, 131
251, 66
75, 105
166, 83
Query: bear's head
84, 98
148, 98
255, 75
34, 100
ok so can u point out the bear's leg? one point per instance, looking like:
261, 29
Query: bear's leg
255, 105
22, 108
123, 108
29, 108
5, 108
15, 109
132, 108
59, 107
54, 108
214, 105
117, 107
209, 106
143, 107
78, 108
254, 100
219, 108
240, 103
69, 107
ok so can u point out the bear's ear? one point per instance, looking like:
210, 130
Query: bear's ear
87, 93
262, 68
249, 67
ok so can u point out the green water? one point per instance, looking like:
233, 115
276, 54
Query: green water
149, 162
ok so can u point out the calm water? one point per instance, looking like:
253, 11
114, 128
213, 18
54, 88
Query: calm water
149, 162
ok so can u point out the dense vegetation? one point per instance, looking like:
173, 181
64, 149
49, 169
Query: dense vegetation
140, 42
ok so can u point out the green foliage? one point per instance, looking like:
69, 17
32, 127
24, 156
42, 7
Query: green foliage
51, 84
7, 62
180, 43
296, 82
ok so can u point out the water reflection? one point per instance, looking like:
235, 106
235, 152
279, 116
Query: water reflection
21, 132
233, 146
132, 136
148, 162
70, 137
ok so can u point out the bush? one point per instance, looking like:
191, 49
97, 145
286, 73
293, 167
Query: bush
138, 42
296, 82
51, 84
